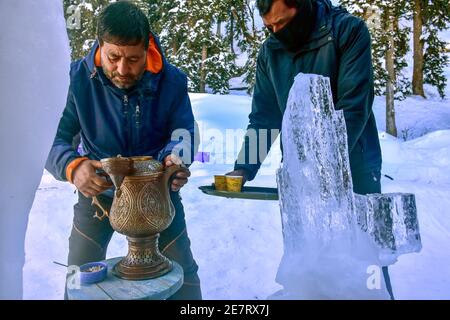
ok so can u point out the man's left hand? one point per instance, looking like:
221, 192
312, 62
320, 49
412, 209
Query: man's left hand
181, 178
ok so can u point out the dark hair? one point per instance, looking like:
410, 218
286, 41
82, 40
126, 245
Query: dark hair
265, 5
123, 23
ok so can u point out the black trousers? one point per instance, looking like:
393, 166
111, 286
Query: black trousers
90, 237
366, 182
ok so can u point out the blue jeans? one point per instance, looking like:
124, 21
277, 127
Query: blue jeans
369, 182
90, 237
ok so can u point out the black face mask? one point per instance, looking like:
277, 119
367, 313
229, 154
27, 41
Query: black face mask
295, 34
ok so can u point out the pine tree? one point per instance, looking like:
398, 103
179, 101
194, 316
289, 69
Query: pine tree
81, 24
191, 33
437, 18
249, 37
389, 47
430, 17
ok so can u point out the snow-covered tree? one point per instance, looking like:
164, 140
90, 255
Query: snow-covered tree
191, 34
201, 37
430, 59
249, 37
81, 27
436, 17
429, 17
389, 47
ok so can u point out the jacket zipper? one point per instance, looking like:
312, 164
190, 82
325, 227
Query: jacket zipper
128, 124
138, 116
138, 124
125, 109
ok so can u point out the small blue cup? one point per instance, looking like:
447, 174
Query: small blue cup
88, 277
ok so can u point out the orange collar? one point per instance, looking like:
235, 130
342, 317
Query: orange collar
154, 57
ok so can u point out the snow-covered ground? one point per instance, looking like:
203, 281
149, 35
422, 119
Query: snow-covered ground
238, 243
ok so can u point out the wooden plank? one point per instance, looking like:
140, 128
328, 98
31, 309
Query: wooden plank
86, 292
119, 289
152, 289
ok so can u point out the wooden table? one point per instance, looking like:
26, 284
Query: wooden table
114, 288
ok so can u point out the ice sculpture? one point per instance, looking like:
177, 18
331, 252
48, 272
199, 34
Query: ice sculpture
332, 237
391, 220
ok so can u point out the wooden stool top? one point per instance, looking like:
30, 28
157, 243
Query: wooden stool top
114, 288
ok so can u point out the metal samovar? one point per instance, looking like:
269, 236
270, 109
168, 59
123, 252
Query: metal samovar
141, 210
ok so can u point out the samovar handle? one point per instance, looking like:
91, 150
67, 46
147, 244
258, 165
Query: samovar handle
172, 170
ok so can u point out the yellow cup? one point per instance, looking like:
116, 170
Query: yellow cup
234, 183
220, 182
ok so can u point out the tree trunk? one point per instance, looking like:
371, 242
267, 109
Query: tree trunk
219, 29
417, 82
174, 47
391, 128
231, 35
202, 70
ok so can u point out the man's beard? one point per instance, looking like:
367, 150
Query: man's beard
126, 82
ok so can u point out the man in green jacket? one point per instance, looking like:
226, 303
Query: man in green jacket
313, 36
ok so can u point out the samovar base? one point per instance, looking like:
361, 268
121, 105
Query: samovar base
143, 261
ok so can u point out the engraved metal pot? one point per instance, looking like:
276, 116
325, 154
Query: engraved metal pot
141, 209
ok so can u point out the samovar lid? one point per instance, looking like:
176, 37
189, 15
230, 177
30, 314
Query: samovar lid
146, 165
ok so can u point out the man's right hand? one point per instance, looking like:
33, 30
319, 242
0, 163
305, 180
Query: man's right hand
87, 181
239, 173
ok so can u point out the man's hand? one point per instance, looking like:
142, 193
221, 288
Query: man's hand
87, 181
181, 178
240, 173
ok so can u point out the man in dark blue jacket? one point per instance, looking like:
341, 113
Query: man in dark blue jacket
124, 98
312, 36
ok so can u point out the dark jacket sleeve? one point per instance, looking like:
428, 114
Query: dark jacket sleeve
265, 122
355, 91
184, 138
62, 151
